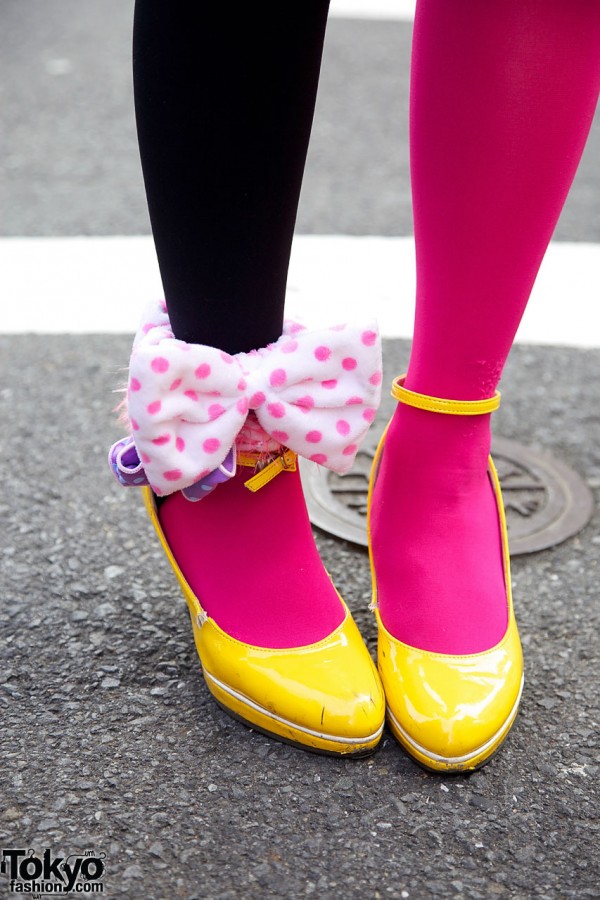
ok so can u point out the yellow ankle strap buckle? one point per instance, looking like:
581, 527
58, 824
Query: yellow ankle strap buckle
285, 462
437, 404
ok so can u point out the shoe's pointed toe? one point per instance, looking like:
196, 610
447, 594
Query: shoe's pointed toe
451, 713
326, 696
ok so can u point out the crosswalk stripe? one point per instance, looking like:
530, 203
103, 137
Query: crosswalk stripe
399, 10
100, 285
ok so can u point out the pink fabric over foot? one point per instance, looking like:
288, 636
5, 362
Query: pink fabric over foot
251, 560
502, 97
436, 535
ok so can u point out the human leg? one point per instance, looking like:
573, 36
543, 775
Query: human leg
503, 95
502, 98
224, 108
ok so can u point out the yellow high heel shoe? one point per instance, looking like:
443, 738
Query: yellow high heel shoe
451, 713
274, 402
324, 697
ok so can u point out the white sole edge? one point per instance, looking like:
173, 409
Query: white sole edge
270, 715
458, 760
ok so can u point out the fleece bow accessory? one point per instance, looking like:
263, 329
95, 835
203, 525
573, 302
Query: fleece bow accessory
314, 391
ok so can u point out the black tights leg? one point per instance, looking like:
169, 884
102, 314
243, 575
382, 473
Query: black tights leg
224, 98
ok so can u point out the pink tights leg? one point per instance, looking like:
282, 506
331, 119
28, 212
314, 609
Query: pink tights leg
502, 98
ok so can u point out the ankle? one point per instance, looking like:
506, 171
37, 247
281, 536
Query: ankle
422, 441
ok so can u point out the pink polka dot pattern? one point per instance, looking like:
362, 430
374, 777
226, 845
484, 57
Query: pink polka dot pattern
215, 410
159, 364
277, 410
305, 403
368, 338
314, 437
257, 400
311, 390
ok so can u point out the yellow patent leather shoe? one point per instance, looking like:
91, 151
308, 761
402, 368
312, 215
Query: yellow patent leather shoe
451, 713
325, 697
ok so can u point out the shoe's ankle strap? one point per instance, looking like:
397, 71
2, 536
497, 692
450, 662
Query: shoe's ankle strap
436, 404
285, 461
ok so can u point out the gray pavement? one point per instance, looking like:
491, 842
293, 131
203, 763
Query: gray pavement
109, 741
67, 136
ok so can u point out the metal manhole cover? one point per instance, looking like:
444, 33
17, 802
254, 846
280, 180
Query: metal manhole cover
546, 502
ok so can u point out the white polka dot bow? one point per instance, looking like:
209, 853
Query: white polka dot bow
314, 391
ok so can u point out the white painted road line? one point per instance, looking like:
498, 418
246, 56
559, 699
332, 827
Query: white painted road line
390, 10
85, 285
